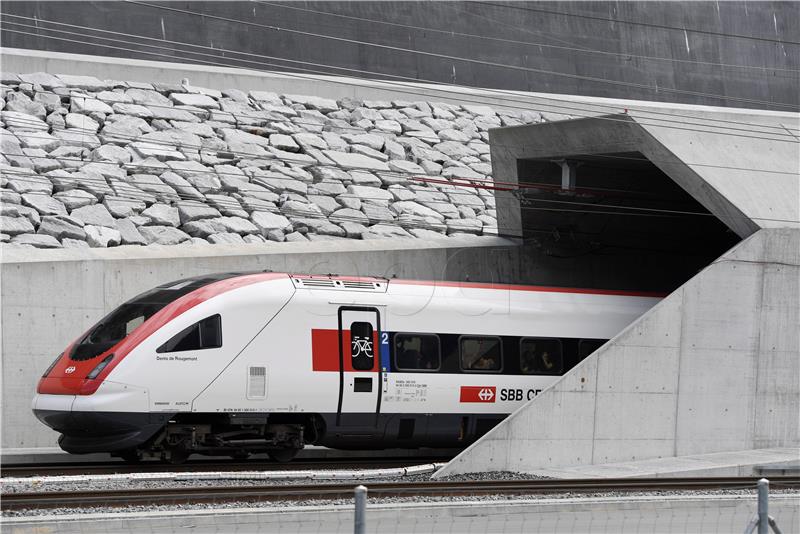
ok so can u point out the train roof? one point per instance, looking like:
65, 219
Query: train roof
336, 281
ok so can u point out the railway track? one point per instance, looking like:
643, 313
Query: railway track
28, 470
266, 493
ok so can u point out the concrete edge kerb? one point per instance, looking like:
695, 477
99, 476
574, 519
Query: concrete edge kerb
9, 255
25, 60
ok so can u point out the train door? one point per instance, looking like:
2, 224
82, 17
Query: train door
359, 366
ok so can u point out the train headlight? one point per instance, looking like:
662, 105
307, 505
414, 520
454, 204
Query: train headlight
52, 365
100, 366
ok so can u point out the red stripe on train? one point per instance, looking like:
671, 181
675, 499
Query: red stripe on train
325, 350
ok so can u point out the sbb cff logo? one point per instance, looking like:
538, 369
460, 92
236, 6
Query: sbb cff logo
478, 393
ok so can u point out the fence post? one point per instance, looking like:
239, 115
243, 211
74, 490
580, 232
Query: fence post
763, 506
361, 507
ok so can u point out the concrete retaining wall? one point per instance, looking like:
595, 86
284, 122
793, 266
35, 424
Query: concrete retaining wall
713, 367
647, 50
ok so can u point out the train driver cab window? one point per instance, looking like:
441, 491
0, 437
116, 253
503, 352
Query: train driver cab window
483, 354
417, 352
133, 324
362, 346
205, 334
540, 356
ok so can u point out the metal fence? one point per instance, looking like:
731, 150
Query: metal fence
621, 512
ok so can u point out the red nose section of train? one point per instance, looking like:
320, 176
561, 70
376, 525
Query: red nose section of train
71, 377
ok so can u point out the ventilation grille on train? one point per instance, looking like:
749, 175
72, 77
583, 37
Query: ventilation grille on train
314, 282
257, 383
378, 286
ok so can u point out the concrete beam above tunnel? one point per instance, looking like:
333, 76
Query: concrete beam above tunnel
743, 168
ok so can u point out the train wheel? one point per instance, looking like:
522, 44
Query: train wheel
282, 455
178, 456
240, 455
131, 456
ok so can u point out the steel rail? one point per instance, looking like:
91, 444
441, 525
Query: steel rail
266, 493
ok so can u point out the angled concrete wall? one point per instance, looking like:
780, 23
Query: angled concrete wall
744, 170
713, 367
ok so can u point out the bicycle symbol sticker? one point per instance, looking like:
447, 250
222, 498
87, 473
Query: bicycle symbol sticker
362, 346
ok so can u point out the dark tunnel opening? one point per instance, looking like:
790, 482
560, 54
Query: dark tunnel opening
615, 221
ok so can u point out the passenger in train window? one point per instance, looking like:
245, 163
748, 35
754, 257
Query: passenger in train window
428, 361
480, 353
527, 359
417, 351
540, 356
545, 363
485, 362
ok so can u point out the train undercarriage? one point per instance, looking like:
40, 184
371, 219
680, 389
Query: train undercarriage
235, 435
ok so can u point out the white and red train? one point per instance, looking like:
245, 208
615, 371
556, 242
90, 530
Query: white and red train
240, 363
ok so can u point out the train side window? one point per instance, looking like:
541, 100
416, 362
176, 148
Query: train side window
540, 356
417, 352
481, 354
205, 334
588, 346
362, 346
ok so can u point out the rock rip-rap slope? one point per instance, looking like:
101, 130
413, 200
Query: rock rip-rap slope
87, 162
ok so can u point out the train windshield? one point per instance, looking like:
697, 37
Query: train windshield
117, 325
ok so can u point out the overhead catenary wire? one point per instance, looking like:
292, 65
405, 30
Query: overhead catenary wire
516, 41
217, 50
458, 58
471, 183
306, 214
86, 178
293, 212
367, 220
407, 225
784, 133
23, 177
636, 23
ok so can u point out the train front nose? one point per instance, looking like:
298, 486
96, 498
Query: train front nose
54, 411
87, 426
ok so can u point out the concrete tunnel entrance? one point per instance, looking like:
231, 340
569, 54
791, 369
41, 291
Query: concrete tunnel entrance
625, 202
651, 234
